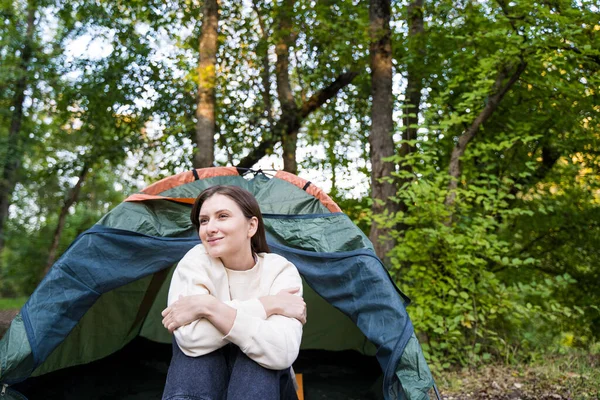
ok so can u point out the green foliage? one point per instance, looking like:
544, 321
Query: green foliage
478, 290
12, 303
85, 111
508, 269
31, 231
442, 262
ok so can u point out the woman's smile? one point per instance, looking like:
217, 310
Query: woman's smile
213, 242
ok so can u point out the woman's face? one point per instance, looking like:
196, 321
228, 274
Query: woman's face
225, 231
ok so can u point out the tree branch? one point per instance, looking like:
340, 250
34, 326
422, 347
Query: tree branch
318, 99
595, 59
259, 151
312, 104
554, 244
492, 104
72, 197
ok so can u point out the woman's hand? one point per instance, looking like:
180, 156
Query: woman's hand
185, 310
286, 303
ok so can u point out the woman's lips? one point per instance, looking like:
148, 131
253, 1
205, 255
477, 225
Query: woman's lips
213, 240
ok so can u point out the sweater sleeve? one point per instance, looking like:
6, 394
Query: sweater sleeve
190, 278
274, 342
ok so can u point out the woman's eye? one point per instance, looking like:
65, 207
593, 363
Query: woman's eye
223, 216
203, 221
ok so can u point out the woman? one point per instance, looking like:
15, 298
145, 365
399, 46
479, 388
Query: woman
235, 310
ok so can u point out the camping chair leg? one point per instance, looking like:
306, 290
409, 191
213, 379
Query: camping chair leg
300, 390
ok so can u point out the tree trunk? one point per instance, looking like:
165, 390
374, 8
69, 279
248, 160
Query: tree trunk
69, 201
380, 138
265, 74
14, 152
289, 110
414, 77
205, 112
289, 143
500, 89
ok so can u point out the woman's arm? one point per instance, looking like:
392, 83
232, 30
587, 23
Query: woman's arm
273, 343
199, 321
191, 285
285, 303
188, 309
191, 299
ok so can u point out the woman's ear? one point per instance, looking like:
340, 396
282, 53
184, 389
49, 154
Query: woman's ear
253, 227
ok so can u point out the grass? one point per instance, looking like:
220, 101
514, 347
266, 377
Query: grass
12, 303
574, 376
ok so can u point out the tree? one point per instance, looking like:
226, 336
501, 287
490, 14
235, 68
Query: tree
205, 112
414, 63
14, 149
382, 127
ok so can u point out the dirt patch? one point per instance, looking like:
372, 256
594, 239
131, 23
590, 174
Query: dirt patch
555, 379
6, 316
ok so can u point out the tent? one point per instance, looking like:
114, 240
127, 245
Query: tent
111, 284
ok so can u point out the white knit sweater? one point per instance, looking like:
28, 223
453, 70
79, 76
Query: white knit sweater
272, 342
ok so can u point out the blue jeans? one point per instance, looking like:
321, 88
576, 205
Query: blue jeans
224, 374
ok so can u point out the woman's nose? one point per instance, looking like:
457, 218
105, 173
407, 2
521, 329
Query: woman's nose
211, 226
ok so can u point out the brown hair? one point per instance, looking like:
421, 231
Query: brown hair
247, 204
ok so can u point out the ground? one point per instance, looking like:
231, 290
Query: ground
138, 372
5, 317
553, 378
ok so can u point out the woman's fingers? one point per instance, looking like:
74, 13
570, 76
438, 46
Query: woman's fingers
170, 323
293, 306
168, 320
303, 319
302, 316
182, 311
291, 290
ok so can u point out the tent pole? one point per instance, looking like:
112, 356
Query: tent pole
437, 392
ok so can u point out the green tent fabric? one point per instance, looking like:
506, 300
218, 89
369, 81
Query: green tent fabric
112, 282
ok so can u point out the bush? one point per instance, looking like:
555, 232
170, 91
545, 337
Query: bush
476, 295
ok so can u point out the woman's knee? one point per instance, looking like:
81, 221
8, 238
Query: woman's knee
249, 380
196, 378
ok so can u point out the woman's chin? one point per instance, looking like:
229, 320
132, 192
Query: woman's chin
213, 253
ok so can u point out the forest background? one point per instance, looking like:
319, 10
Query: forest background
462, 136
